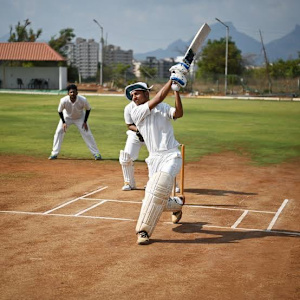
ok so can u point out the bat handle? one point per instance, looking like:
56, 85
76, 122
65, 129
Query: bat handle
175, 86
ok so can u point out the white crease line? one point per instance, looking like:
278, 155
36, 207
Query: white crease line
240, 219
253, 229
242, 229
81, 197
62, 215
225, 208
111, 200
87, 209
284, 203
170, 223
94, 217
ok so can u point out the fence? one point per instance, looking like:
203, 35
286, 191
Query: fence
245, 86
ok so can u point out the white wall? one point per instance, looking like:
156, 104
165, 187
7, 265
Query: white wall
56, 77
62, 78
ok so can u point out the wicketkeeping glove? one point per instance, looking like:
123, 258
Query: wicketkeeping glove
138, 134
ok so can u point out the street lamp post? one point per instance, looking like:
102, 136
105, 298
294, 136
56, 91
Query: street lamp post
101, 53
226, 54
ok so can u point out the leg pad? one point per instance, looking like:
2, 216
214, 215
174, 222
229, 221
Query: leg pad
127, 168
157, 193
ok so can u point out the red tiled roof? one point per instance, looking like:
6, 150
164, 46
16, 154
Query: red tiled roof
28, 51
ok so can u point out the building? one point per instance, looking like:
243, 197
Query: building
113, 55
162, 66
137, 68
13, 75
83, 54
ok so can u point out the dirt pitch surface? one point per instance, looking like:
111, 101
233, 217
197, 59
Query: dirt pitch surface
68, 232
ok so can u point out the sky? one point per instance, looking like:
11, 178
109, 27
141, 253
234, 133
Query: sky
148, 25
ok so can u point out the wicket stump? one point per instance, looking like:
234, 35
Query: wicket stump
181, 174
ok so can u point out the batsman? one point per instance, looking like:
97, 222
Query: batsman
153, 120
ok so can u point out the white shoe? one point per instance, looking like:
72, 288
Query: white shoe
174, 204
143, 238
127, 187
176, 216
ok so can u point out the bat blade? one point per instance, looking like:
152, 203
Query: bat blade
196, 43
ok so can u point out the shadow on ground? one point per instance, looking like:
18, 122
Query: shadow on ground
221, 236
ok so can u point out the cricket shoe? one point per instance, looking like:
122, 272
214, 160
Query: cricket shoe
98, 156
52, 157
176, 216
127, 187
143, 238
174, 204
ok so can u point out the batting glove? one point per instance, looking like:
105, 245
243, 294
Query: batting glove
178, 78
180, 67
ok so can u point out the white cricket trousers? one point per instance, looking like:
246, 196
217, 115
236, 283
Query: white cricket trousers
169, 162
133, 145
86, 135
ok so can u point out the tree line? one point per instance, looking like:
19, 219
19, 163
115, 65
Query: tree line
210, 63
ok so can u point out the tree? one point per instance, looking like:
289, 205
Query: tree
212, 62
58, 44
21, 34
119, 73
286, 69
148, 72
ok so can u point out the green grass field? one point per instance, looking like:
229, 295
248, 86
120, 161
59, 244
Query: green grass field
267, 131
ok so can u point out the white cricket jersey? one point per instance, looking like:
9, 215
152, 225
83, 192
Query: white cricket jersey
127, 112
73, 110
155, 126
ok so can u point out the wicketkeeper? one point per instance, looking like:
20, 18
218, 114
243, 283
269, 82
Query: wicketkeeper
131, 151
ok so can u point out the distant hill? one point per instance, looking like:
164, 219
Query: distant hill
286, 47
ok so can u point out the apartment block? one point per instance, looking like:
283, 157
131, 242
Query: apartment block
114, 55
84, 54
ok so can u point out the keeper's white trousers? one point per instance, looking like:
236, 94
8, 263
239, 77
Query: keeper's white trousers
132, 148
86, 135
133, 145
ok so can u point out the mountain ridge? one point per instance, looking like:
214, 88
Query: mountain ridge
249, 46
286, 47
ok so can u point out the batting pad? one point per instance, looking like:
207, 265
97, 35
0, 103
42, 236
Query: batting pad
127, 168
173, 204
157, 193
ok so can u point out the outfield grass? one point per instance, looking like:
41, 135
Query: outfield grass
267, 131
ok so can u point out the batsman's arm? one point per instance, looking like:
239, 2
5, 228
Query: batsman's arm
161, 95
178, 105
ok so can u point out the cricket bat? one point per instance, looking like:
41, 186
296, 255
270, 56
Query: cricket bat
196, 44
193, 49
